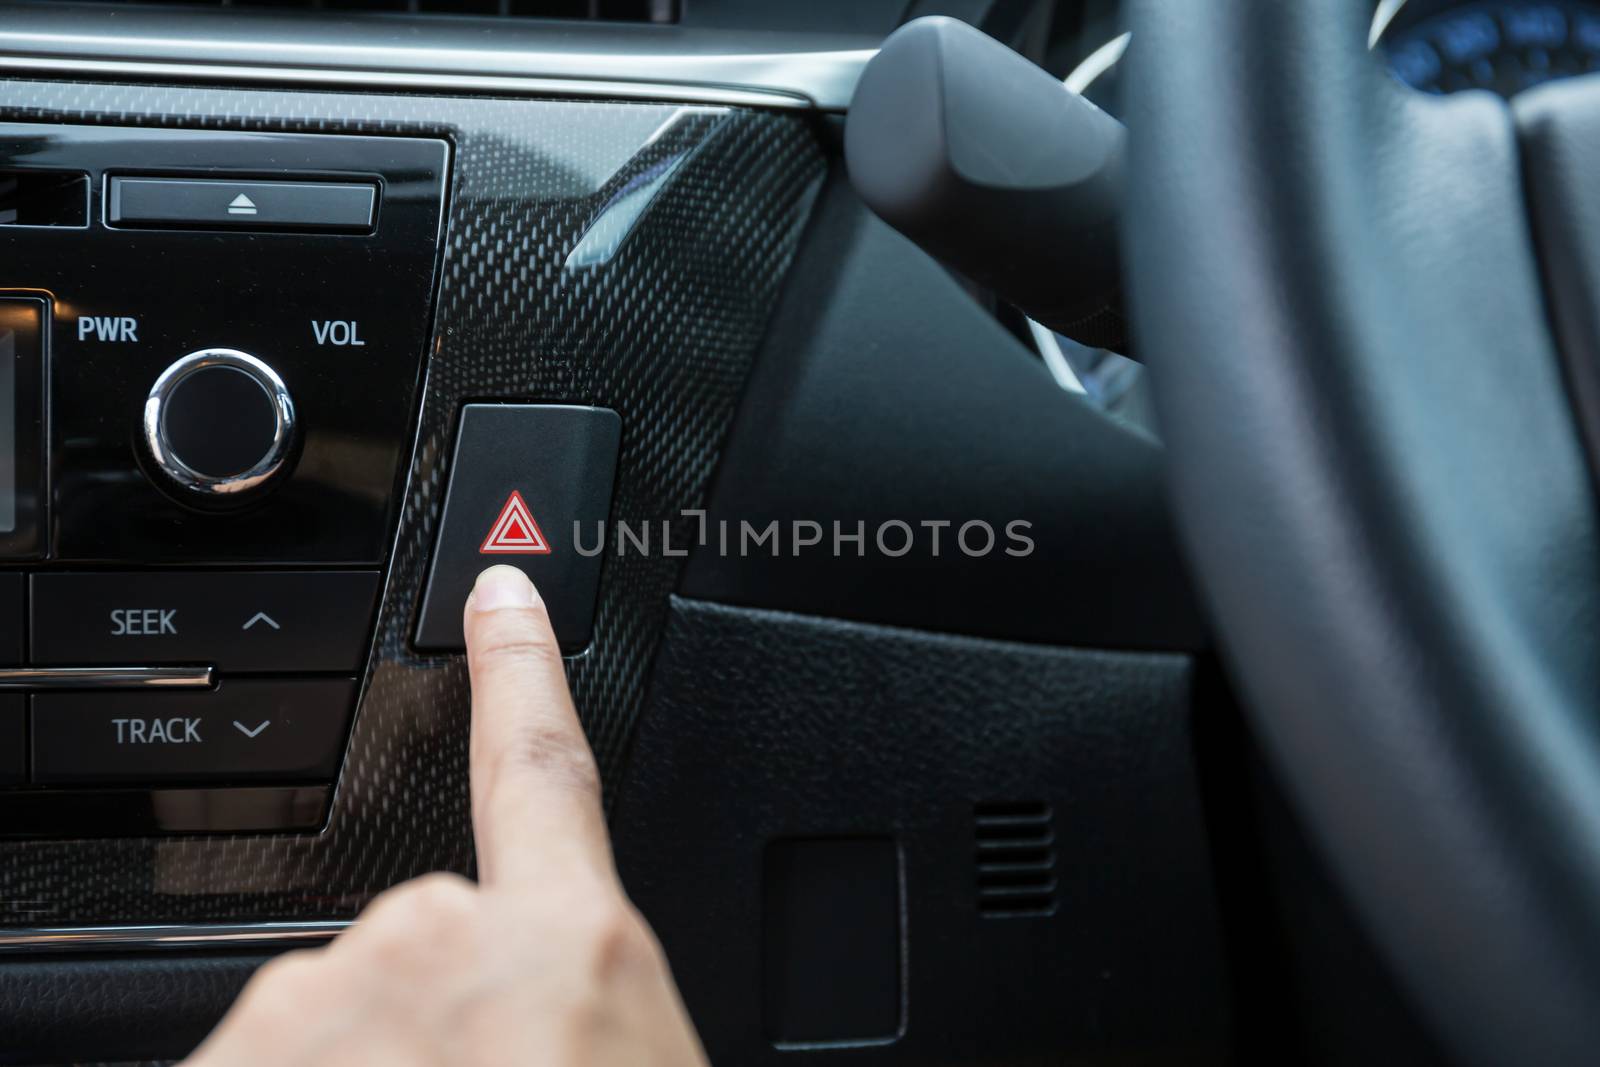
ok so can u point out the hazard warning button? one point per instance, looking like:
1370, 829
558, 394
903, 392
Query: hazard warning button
525, 481
516, 531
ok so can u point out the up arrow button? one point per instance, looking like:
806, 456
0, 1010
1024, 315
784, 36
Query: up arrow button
240, 622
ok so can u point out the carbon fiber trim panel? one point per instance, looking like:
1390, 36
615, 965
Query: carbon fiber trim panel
616, 254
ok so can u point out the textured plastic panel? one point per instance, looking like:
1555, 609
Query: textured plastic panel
620, 255
142, 1010
883, 393
969, 753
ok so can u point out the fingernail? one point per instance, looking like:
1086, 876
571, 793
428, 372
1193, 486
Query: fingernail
502, 587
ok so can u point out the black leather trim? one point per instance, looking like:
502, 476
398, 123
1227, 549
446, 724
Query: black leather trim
1559, 127
1378, 472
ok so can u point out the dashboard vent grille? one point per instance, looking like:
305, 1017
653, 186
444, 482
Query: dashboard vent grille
1016, 859
659, 11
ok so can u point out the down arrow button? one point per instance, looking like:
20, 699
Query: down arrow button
245, 730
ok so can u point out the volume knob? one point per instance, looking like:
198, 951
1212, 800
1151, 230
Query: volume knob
219, 426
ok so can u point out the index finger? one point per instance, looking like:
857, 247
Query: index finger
535, 786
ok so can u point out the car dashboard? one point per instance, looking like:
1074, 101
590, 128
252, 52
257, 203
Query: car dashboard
308, 313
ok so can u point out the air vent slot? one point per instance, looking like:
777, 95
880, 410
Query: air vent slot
1016, 859
657, 11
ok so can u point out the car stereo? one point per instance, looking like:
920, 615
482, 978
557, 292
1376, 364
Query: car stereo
211, 349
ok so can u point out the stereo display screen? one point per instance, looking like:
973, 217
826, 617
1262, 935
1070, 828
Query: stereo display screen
22, 354
18, 341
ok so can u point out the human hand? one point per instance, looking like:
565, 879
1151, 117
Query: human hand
542, 961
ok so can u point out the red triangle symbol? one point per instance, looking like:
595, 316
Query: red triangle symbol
515, 532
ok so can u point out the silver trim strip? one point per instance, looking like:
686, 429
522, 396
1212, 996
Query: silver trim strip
1096, 63
1381, 19
1044, 339
365, 79
106, 677
512, 56
168, 937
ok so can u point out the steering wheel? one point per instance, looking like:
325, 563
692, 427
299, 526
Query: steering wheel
1357, 301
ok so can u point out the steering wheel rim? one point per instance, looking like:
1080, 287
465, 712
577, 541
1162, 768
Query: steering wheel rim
1382, 484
